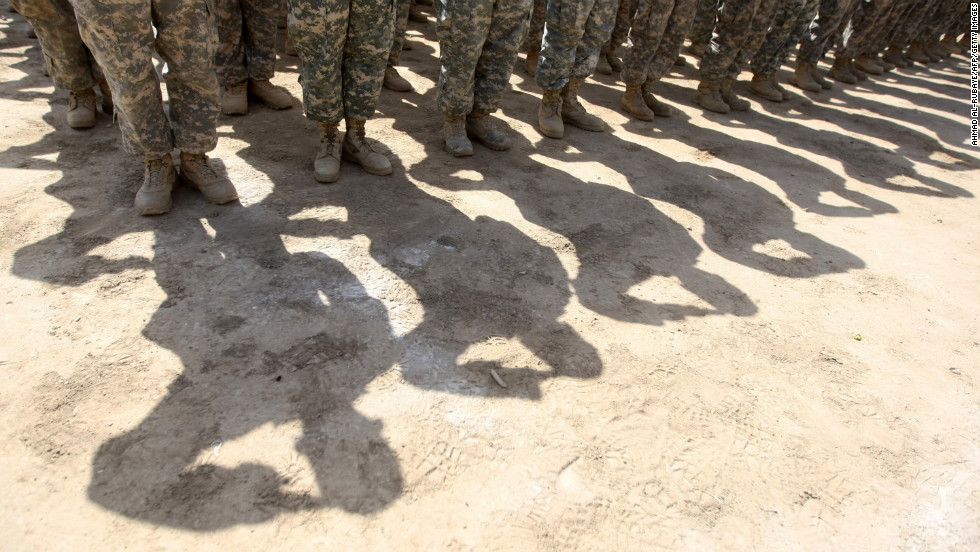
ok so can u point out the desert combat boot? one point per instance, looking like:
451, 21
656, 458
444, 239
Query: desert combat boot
81, 108
357, 149
572, 111
634, 103
326, 164
549, 114
454, 130
154, 196
272, 96
481, 126
196, 172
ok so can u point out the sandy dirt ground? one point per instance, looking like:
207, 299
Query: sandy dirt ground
746, 332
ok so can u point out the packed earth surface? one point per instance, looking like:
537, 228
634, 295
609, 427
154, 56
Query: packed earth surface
755, 331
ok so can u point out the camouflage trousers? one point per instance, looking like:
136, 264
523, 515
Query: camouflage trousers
120, 34
866, 24
574, 32
788, 25
535, 32
478, 43
344, 46
69, 61
705, 18
914, 20
741, 30
246, 39
401, 27
945, 18
624, 20
826, 29
656, 37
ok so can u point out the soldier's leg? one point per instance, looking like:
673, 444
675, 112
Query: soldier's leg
122, 41
319, 30
392, 80
65, 56
503, 39
260, 19
366, 50
705, 19
462, 28
186, 40
645, 36
492, 74
731, 32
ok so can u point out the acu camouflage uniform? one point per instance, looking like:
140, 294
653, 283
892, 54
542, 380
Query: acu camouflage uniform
402, 8
705, 18
246, 40
741, 30
826, 29
69, 62
656, 37
120, 34
344, 46
574, 32
478, 43
792, 19
535, 32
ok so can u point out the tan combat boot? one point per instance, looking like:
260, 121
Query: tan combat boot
81, 108
394, 81
614, 60
454, 129
660, 109
481, 126
196, 172
602, 66
868, 66
234, 100
917, 53
549, 114
839, 71
803, 78
933, 51
709, 97
572, 111
732, 99
288, 47
634, 104
858, 74
697, 49
894, 55
159, 177
763, 86
358, 150
272, 96
531, 62
819, 78
326, 164
107, 106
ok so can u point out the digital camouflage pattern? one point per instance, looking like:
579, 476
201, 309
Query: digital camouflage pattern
705, 18
344, 46
121, 37
792, 18
624, 20
401, 27
656, 37
68, 60
478, 43
574, 32
246, 39
736, 37
826, 29
913, 22
535, 32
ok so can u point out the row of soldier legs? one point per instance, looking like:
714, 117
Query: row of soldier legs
221, 52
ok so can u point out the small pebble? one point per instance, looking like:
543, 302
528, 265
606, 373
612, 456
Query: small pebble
956, 371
